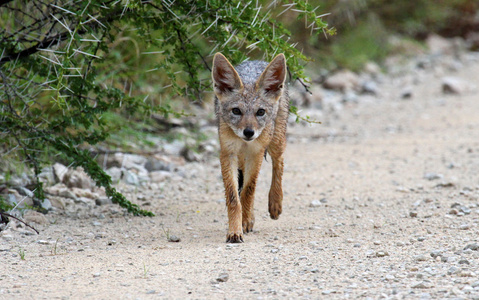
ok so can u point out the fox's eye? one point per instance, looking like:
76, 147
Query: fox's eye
260, 112
236, 111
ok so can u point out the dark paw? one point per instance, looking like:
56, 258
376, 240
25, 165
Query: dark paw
234, 238
274, 211
248, 226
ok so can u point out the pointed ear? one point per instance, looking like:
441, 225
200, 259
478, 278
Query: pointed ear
272, 79
225, 77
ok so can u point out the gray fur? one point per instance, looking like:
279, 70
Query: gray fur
250, 71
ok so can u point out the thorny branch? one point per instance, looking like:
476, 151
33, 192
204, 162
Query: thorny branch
5, 220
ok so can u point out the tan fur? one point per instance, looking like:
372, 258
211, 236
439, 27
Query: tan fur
254, 88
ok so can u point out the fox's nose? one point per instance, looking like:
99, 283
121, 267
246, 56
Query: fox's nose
248, 133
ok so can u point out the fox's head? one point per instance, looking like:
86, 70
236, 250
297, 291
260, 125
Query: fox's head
248, 100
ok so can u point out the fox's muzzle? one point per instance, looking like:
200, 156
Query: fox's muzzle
248, 133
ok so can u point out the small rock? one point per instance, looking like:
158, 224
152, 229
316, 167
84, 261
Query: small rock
350, 97
77, 178
453, 85
315, 203
464, 227
406, 93
7, 237
369, 87
372, 68
433, 176
127, 161
436, 253
46, 204
420, 258
59, 171
103, 201
46, 176
382, 254
446, 184
160, 176
115, 174
132, 178
438, 45
153, 164
413, 214
342, 80
464, 261
474, 247
32, 216
421, 285
173, 239
190, 155
453, 211
453, 270
25, 192
223, 277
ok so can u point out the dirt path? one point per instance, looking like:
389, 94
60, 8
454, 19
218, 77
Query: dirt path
361, 219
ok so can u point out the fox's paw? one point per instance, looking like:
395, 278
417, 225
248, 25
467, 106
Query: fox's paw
248, 225
275, 210
234, 237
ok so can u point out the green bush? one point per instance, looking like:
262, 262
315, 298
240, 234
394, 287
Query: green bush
64, 66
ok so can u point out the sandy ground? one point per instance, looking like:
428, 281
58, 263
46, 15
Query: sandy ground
381, 201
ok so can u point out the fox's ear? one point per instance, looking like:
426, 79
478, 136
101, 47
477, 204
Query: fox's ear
272, 79
225, 77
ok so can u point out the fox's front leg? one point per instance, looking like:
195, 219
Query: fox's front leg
252, 168
229, 170
275, 203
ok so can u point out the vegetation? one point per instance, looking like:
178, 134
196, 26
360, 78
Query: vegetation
65, 65
364, 27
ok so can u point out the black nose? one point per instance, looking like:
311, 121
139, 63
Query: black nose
248, 133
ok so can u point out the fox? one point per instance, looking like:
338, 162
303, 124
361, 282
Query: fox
252, 108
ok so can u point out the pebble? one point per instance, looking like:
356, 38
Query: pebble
103, 201
174, 239
436, 253
421, 285
369, 87
35, 217
315, 203
454, 85
406, 93
453, 270
223, 277
420, 257
382, 254
433, 176
7, 237
474, 247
